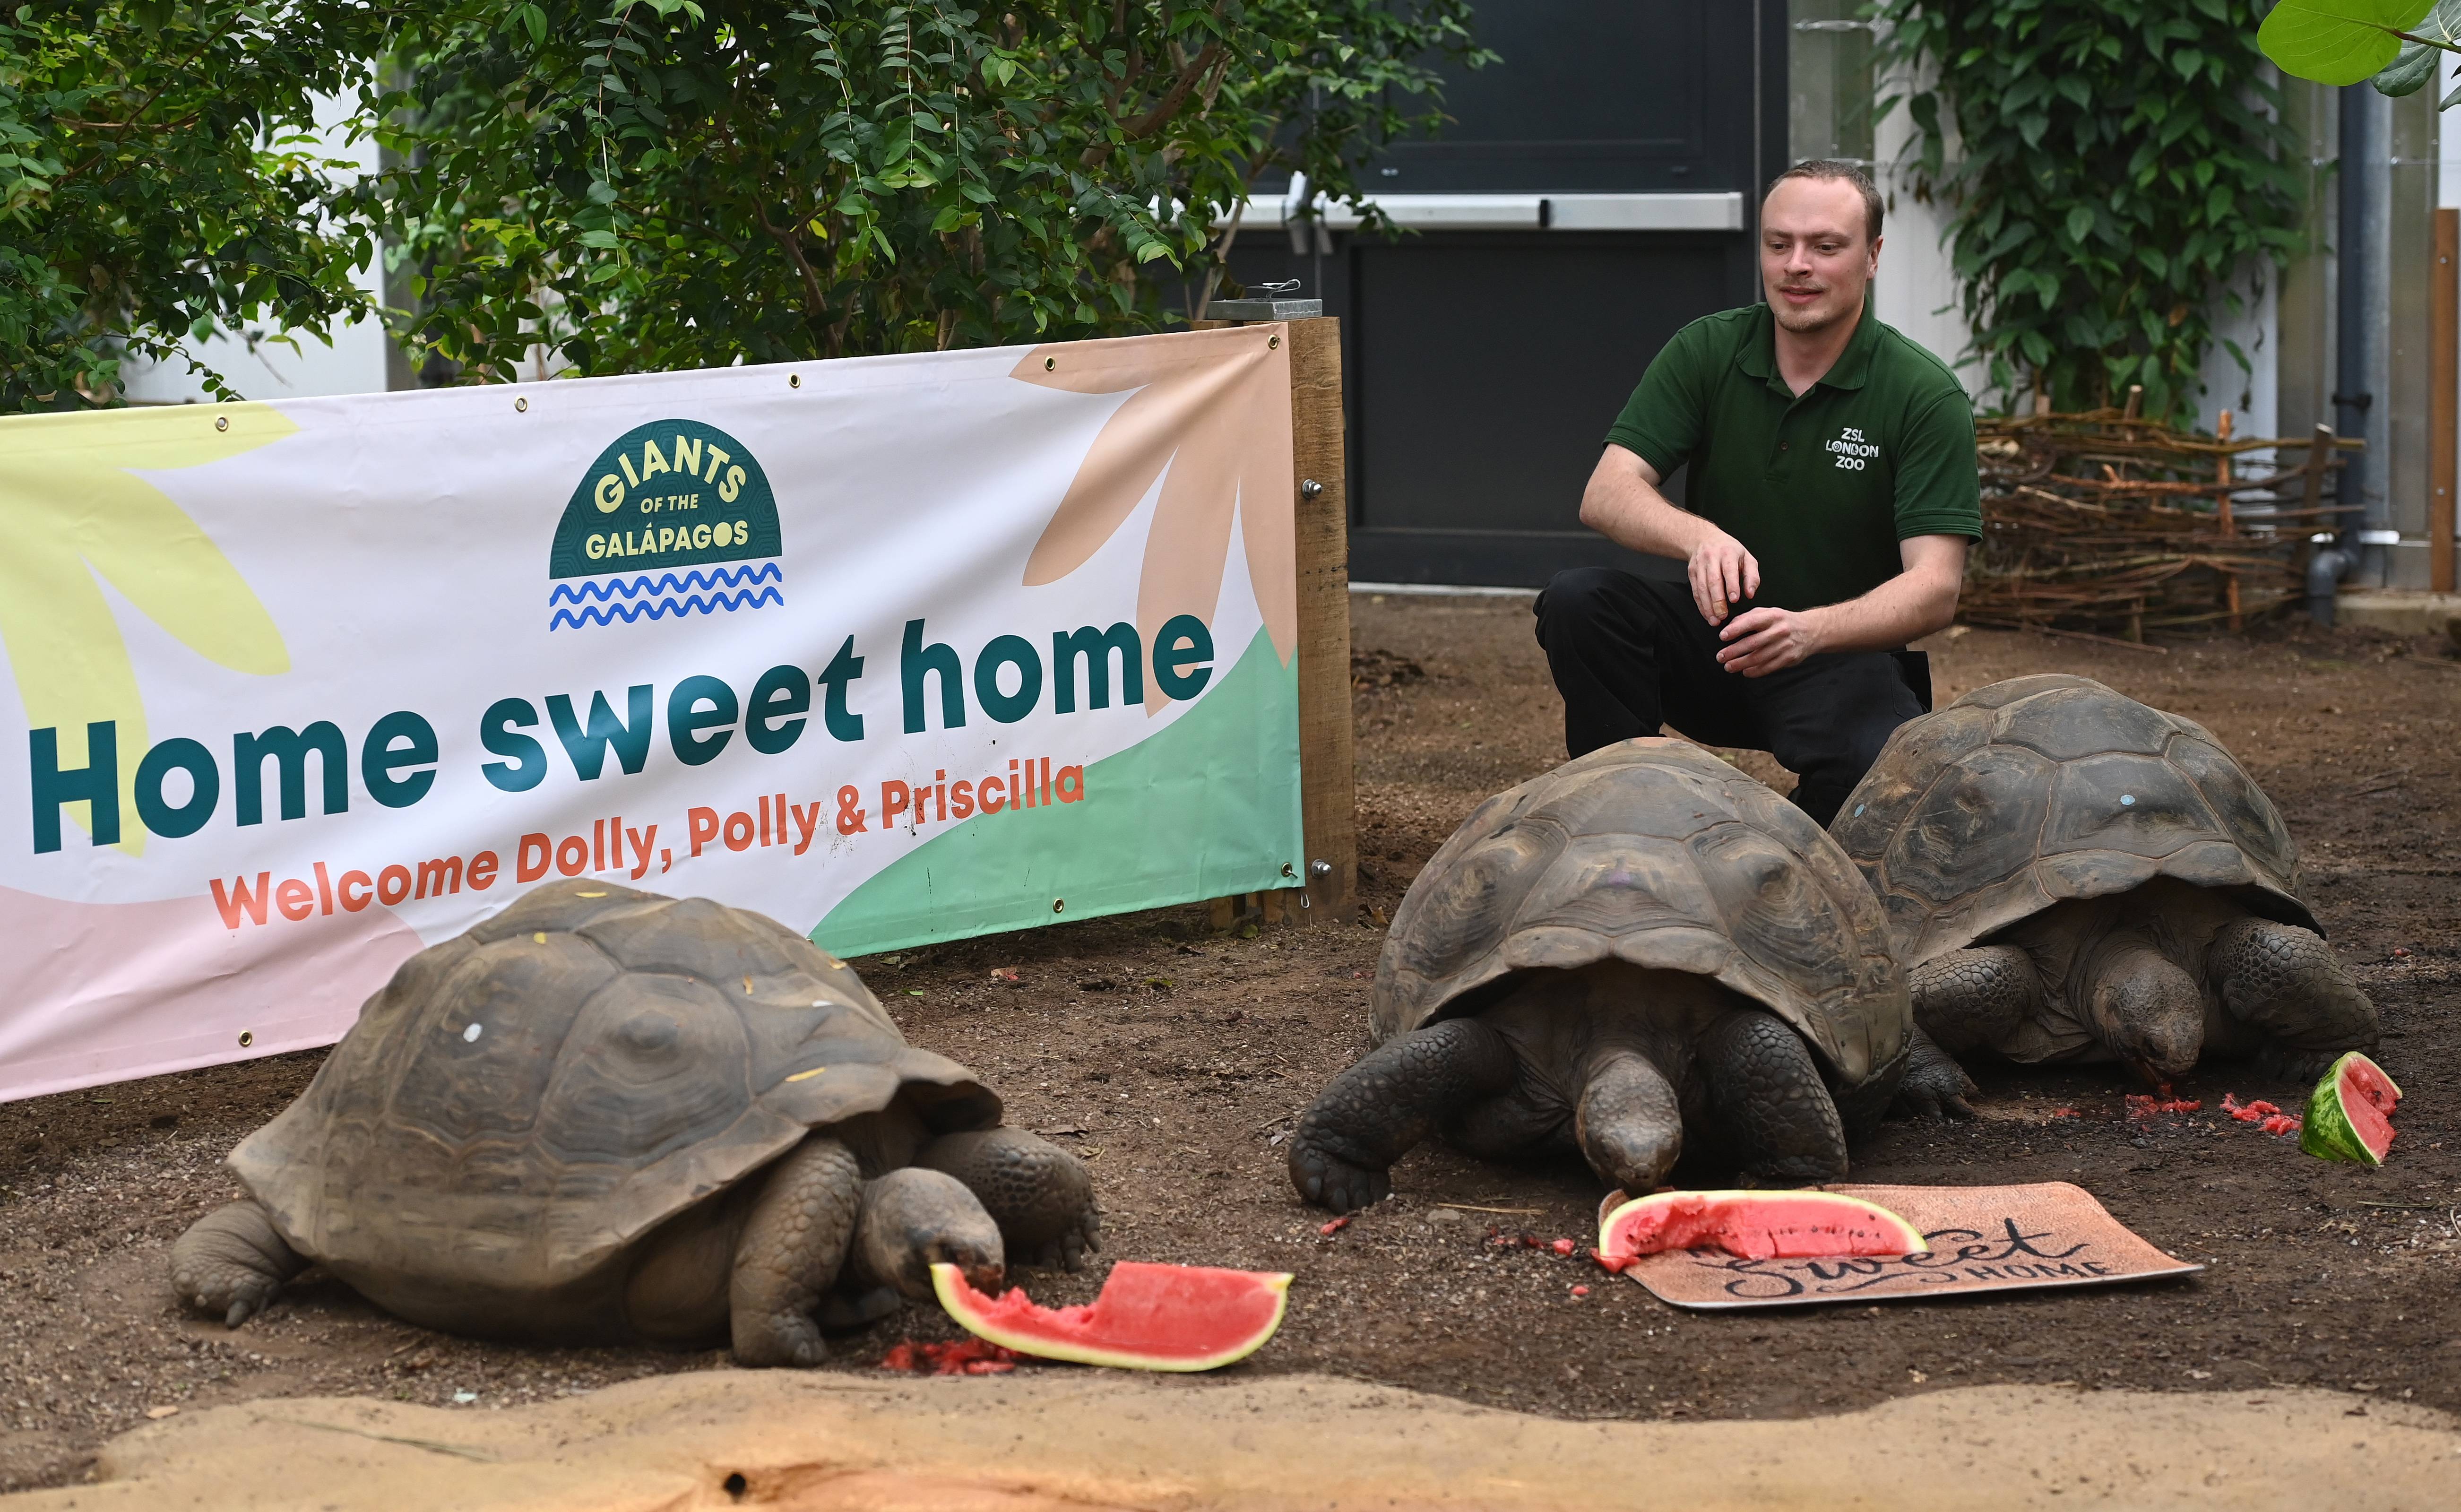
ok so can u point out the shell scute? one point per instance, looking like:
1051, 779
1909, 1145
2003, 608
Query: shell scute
1613, 885
654, 1062
486, 1042
2067, 723
1979, 822
2120, 801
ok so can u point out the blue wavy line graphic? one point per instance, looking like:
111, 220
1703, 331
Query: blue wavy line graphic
745, 576
660, 608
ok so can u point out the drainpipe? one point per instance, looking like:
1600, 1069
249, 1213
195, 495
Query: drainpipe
2358, 241
2359, 244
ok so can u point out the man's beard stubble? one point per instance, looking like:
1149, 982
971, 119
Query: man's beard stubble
1805, 322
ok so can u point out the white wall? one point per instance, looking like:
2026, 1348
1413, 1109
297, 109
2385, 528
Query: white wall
1915, 291
354, 363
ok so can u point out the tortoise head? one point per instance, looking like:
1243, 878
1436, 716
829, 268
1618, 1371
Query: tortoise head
2148, 1010
913, 1220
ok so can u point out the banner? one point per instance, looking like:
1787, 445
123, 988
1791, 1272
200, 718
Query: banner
893, 650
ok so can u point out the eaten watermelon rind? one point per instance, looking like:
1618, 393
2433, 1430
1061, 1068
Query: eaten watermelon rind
1892, 1235
2328, 1132
979, 1315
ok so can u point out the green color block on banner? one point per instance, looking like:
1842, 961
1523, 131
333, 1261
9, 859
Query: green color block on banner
1205, 807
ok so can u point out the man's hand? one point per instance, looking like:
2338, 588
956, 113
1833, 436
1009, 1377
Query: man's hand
1722, 574
1763, 641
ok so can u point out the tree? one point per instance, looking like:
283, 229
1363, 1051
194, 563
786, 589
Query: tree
2397, 43
666, 184
2117, 166
157, 183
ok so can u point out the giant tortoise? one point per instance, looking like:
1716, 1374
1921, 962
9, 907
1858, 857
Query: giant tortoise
1641, 941
2072, 876
608, 1116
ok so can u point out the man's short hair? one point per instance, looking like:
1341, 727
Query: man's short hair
1834, 169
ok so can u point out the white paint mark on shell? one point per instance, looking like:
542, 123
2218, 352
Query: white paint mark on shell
2128, 800
472, 1034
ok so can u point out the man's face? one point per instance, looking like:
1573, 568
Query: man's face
1816, 259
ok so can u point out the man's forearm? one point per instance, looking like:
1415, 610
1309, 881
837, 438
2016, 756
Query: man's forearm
1623, 505
1907, 607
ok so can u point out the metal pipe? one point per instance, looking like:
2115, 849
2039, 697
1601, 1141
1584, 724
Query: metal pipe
2358, 250
2326, 570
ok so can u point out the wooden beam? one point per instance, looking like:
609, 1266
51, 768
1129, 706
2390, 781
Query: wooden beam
1328, 781
2443, 396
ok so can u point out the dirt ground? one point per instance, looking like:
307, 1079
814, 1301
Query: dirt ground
1174, 1061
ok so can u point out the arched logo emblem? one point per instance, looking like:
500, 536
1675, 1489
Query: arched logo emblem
673, 519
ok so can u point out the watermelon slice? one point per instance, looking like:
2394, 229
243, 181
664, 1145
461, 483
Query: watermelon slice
2349, 1115
1755, 1225
1149, 1317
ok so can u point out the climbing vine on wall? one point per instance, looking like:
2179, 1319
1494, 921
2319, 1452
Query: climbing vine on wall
2108, 170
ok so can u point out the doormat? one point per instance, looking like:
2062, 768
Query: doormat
1982, 1239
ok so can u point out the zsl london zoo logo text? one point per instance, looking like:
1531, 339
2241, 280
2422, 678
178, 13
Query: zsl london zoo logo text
667, 495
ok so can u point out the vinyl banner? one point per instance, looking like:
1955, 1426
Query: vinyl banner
892, 650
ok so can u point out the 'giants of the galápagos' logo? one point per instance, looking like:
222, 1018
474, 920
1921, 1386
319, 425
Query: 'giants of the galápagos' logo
652, 526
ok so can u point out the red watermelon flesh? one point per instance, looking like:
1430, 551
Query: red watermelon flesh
1149, 1317
1754, 1226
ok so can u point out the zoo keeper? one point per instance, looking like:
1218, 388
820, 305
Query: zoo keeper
1832, 497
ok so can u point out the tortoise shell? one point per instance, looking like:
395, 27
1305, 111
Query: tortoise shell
2039, 789
1656, 853
523, 1101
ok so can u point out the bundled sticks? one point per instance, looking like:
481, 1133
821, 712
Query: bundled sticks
2108, 524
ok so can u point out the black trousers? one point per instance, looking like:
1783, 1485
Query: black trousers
1631, 653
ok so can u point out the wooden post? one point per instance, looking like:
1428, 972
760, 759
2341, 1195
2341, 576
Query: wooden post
2319, 457
2443, 397
2230, 527
1320, 491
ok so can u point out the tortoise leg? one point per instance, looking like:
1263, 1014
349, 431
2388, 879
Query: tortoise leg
1383, 1107
1629, 1125
793, 1244
1038, 1193
1935, 1086
913, 1220
1966, 1000
846, 1311
232, 1262
1768, 1096
2149, 1012
2289, 985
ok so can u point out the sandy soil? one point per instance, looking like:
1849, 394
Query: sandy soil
1102, 1441
1174, 1059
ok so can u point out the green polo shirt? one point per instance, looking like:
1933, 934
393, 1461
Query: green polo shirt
1819, 489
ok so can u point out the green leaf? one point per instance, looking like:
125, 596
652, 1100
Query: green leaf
2338, 41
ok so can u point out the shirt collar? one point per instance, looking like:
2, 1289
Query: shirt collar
1758, 355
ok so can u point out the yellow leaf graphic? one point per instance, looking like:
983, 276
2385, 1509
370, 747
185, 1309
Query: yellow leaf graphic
1214, 408
71, 507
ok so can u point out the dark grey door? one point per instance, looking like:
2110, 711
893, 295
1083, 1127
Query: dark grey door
1487, 354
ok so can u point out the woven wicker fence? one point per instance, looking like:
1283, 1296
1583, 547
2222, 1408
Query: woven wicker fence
2106, 524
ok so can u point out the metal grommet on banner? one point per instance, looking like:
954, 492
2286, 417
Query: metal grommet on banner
1272, 342
247, 1037
522, 406
1058, 904
222, 422
793, 380
1050, 364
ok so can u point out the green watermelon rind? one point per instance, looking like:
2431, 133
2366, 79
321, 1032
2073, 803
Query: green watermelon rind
2326, 1132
